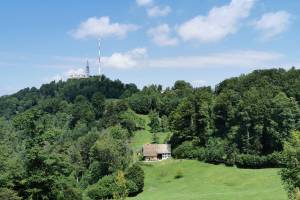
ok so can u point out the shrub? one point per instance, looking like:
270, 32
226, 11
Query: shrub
117, 185
136, 174
132, 188
215, 151
251, 161
186, 150
255, 161
179, 174
8, 194
218, 151
103, 189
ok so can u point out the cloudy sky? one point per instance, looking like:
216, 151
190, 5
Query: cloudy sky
145, 41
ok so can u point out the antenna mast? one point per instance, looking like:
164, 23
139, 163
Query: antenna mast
99, 58
87, 69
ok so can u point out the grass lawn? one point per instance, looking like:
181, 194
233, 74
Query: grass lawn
203, 181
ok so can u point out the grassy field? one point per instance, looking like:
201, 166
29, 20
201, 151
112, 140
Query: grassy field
203, 181
142, 137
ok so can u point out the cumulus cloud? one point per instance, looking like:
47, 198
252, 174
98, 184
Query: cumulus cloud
126, 60
273, 23
161, 35
239, 59
102, 27
219, 23
158, 11
234, 59
144, 2
138, 58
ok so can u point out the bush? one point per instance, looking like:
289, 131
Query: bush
8, 194
218, 151
188, 151
136, 175
255, 161
179, 174
215, 151
103, 189
111, 186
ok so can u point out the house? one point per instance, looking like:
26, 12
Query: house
154, 152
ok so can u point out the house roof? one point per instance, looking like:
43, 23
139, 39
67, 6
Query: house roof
154, 149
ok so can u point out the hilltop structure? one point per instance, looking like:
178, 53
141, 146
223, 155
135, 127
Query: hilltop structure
78, 75
154, 152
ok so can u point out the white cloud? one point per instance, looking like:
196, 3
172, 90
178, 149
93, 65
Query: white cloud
239, 59
219, 23
158, 11
125, 60
161, 35
144, 2
138, 58
273, 23
102, 27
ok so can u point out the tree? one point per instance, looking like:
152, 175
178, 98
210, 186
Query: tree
121, 191
290, 174
8, 194
98, 102
154, 122
136, 174
192, 119
164, 123
82, 111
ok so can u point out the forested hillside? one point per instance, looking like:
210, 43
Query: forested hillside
70, 140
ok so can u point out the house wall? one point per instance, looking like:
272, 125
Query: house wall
150, 158
166, 156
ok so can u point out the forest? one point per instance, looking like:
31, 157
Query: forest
71, 139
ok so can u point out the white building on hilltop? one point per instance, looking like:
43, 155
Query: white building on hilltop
78, 74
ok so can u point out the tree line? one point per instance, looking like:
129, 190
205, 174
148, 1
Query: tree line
70, 139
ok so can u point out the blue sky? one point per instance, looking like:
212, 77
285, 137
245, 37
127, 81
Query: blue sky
145, 41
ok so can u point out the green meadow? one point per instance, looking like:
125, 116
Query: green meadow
201, 181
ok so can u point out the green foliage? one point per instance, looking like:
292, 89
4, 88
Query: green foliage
192, 119
8, 194
131, 121
291, 174
67, 136
98, 102
108, 155
136, 174
118, 185
189, 151
103, 189
215, 151
154, 123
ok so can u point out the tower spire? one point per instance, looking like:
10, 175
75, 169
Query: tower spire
87, 69
99, 58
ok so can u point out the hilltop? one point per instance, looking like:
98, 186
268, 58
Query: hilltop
78, 139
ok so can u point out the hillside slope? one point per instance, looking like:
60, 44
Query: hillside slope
209, 182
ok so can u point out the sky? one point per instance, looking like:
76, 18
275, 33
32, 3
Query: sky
145, 41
